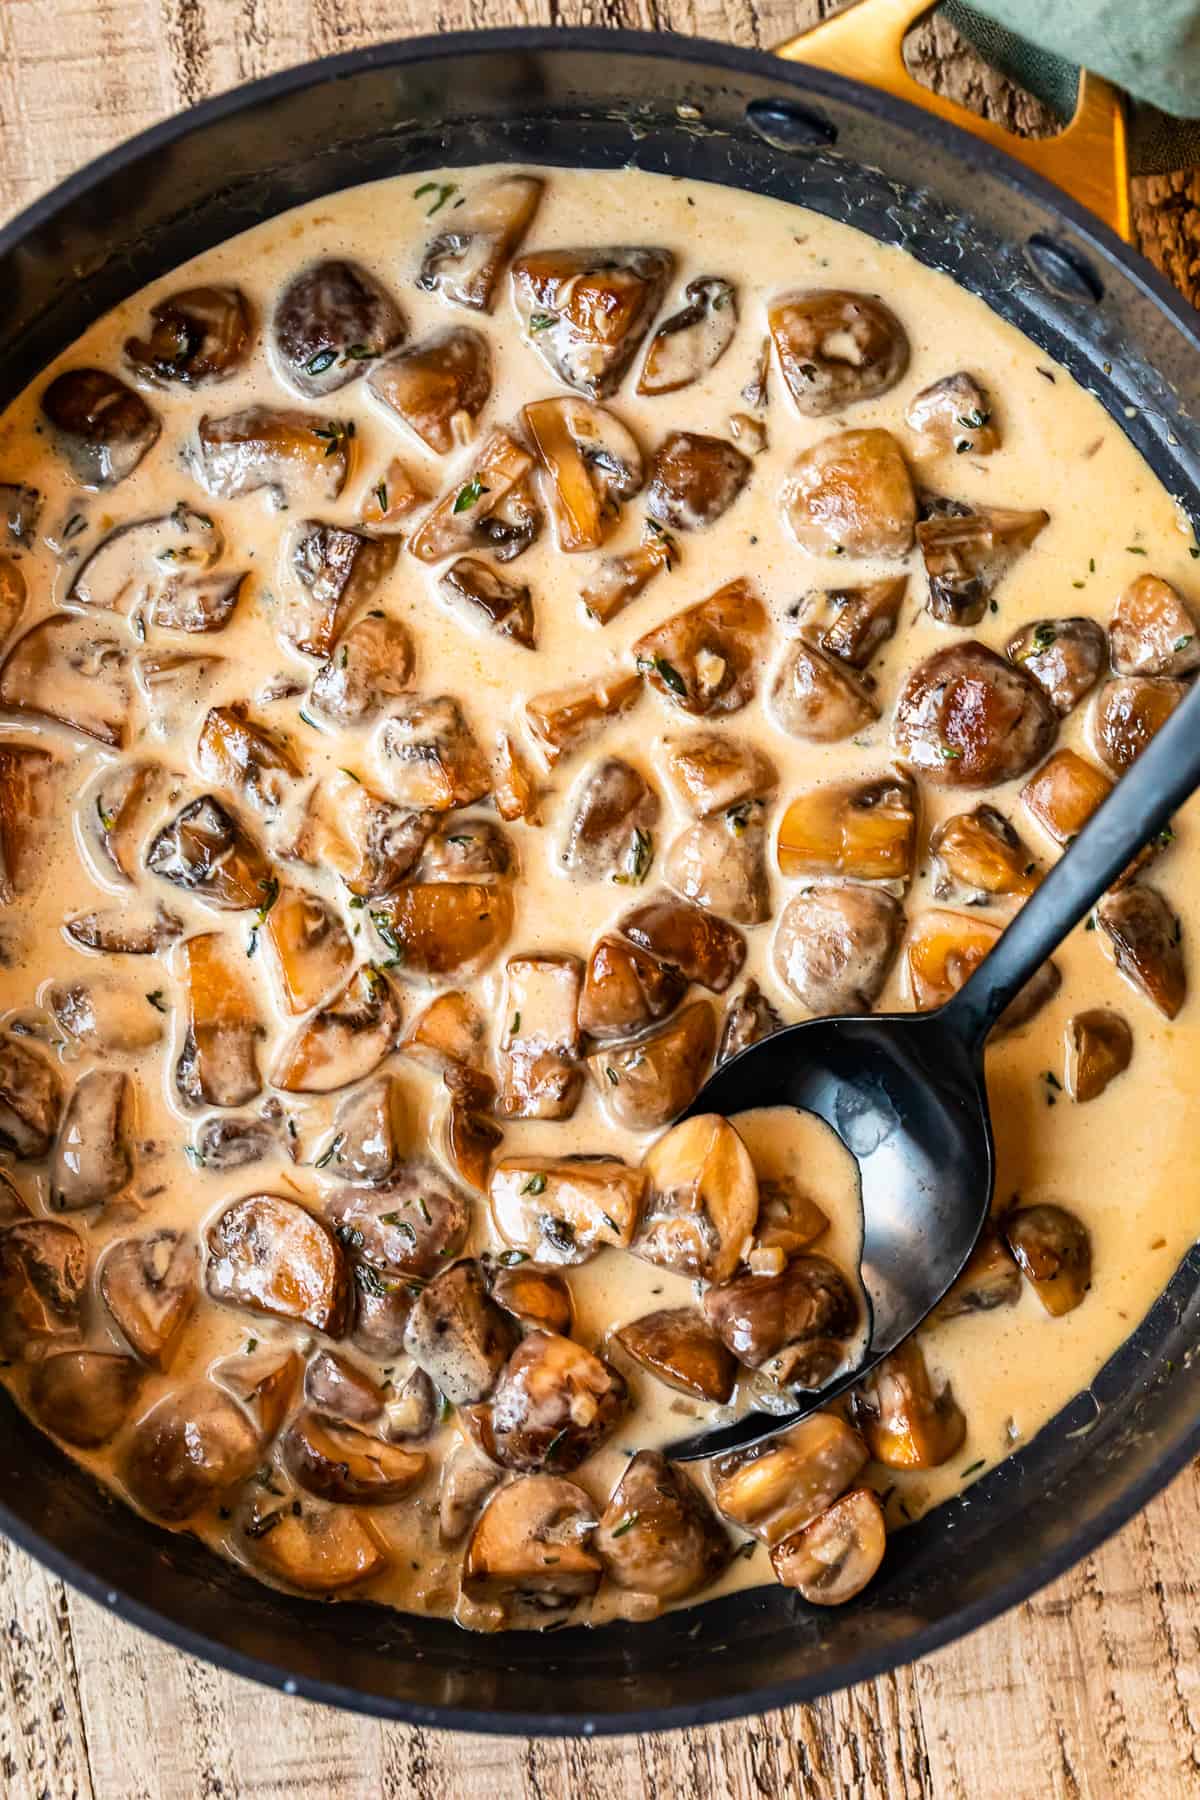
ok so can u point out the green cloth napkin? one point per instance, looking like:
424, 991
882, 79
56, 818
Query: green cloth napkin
1151, 48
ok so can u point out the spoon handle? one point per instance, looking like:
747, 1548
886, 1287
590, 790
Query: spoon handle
1163, 777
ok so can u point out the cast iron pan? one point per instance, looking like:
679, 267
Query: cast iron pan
606, 99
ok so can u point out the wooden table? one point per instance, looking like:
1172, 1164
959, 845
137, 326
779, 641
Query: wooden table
1090, 1690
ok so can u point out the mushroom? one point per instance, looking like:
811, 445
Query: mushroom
562, 719
149, 1286
954, 413
772, 1322
310, 951
593, 465
866, 830
967, 556
788, 1220
989, 1279
852, 624
13, 593
441, 928
1145, 938
189, 1450
1066, 657
146, 562
494, 509
272, 447
13, 1207
538, 1298
648, 1081
1054, 1251
528, 1548
84, 1396
967, 718
225, 1144
27, 793
833, 1558
719, 863
468, 1477
20, 511
449, 1033
1099, 1048
410, 1228
693, 340
197, 336
345, 1041
834, 946
713, 770
368, 1133
30, 1100
1064, 793
265, 1382
174, 686
205, 851
439, 387
1153, 631
587, 311
702, 1201
850, 494
561, 1210
467, 850
330, 321
780, 1486
318, 1550
694, 480
416, 1409
706, 658
625, 988
430, 756
1129, 711
678, 1346
370, 843
608, 835
234, 753
704, 948
486, 598
271, 1256
463, 260
72, 669
114, 812
205, 603
336, 569
127, 930
458, 1334
818, 699
836, 347
102, 429
337, 1463
617, 580
381, 1307
944, 950
540, 1074
218, 1062
554, 1404
657, 1535
750, 1018
43, 1274
514, 794
979, 857
394, 498
93, 1160
908, 1422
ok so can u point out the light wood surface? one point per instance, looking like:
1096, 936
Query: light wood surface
1090, 1690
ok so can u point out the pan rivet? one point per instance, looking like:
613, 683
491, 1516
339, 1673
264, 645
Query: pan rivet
790, 124
1062, 270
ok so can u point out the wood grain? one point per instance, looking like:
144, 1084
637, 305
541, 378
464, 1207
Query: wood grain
1090, 1691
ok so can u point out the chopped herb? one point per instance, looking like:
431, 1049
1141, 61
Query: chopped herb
349, 1236
251, 1346
612, 1074
1135, 550
962, 446
356, 902
311, 723
1183, 642
541, 321
270, 889
371, 1281
1052, 1078
381, 494
467, 496
552, 1446
508, 1259
515, 1026
1078, 584
333, 433
425, 1213
535, 1185
156, 1000
259, 1526
1091, 565
323, 1161
1194, 551
641, 855
611, 1223
738, 817
345, 655
193, 1155
359, 353
951, 753
324, 359
442, 189
358, 780
974, 1468
1091, 922
627, 1524
974, 421
386, 930
107, 819
74, 525
670, 677
1048, 376
464, 840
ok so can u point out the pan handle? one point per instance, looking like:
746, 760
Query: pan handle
1088, 157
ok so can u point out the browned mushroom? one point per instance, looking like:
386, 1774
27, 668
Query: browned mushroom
554, 1404
191, 1448
967, 718
608, 835
713, 770
149, 1286
863, 829
851, 495
319, 1550
1153, 631
310, 951
990, 1279
587, 311
336, 569
788, 1220
593, 463
1129, 710
93, 1159
750, 1018
270, 1255
564, 718
943, 951
101, 427
561, 1210
1099, 1048
146, 563
197, 335
956, 414
372, 663
30, 1099
272, 447
529, 1547
458, 1334
833, 1558
368, 1134
449, 1033
780, 1486
1066, 657
371, 843
43, 1273
329, 323
617, 580
218, 1062
415, 1410
678, 1346
770, 1322
834, 946
394, 498
702, 1202
704, 948
1054, 1251
223, 1143
26, 796
646, 1082
174, 685
836, 347
494, 509
381, 1307
127, 930
205, 851
468, 1477
540, 1074
265, 1382
233, 752
410, 1228
693, 340
908, 1422
470, 1137
706, 658
335, 1462
115, 813
430, 755
1145, 936
20, 511
467, 850
1064, 793
625, 988
539, 1298
466, 254
694, 480
441, 928
84, 1396
483, 596
72, 669
852, 624
720, 863
513, 791
978, 856
439, 387
345, 1041
817, 698
966, 557
656, 1535
105, 1014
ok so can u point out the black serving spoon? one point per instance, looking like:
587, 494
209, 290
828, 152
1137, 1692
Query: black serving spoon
906, 1094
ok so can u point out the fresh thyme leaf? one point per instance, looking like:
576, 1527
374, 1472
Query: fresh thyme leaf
323, 1161
381, 494
156, 1000
387, 932
442, 189
612, 1074
627, 1524
973, 1469
193, 1155
355, 778
951, 753
358, 353
535, 1185
317, 365
515, 1026
670, 677
107, 819
509, 1259
469, 495
542, 321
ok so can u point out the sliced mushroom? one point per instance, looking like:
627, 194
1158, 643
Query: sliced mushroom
272, 447
464, 258
693, 340
703, 947
750, 1018
459, 1336
175, 685
966, 557
337, 1463
468, 1477
84, 1396
767, 1320
381, 1307
561, 1210
218, 1061
863, 829
345, 1041
513, 791
368, 1133
411, 1228
678, 1346
1054, 1251
836, 347
127, 930
233, 752
371, 843
265, 1382
205, 851
990, 1279
72, 669
416, 1409
540, 1072
43, 1274
608, 835
93, 1159
430, 755
197, 336
449, 1033
593, 464
149, 1286
1146, 940
310, 951
694, 480
851, 494
835, 946
225, 1144
561, 720
1129, 711
702, 1202
587, 311
271, 1256
944, 950
528, 1548
626, 988
657, 1535
319, 1550
336, 569
780, 1486
146, 562
706, 658
27, 793
1064, 793
907, 1420
713, 770
1153, 631
329, 323
833, 1558
439, 387
619, 579
494, 509
13, 592
955, 413
101, 427
554, 1404
967, 718
205, 603
647, 1082
788, 1220
467, 850
1066, 657
720, 864
486, 598
30, 1100
446, 928
191, 1448
115, 811
13, 1207
1099, 1048
979, 857
538, 1298
852, 624
818, 699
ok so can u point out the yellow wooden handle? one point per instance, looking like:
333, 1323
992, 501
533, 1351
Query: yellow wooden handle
1088, 158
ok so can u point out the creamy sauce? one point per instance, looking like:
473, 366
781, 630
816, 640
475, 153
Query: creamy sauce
1123, 1163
